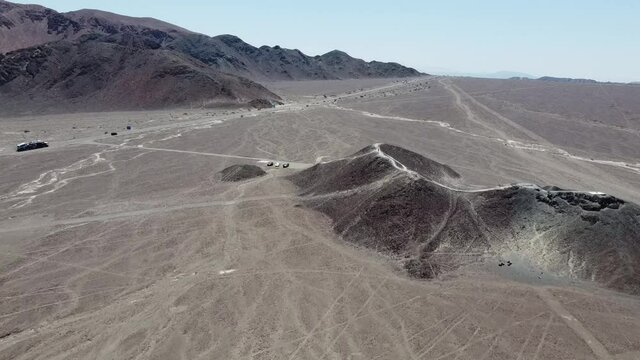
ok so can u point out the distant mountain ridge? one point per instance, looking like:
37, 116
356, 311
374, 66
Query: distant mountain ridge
226, 53
115, 72
94, 60
568, 80
230, 54
492, 75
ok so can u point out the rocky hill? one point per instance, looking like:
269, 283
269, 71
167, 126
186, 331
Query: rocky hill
91, 60
95, 60
420, 212
230, 54
23, 26
115, 72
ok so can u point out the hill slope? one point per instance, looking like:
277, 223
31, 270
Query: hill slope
23, 26
405, 205
100, 73
230, 54
90, 60
96, 61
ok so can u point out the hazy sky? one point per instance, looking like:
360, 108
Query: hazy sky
598, 39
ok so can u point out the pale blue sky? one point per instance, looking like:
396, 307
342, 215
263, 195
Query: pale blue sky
597, 39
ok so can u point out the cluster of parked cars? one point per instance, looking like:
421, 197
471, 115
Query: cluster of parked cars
277, 164
32, 145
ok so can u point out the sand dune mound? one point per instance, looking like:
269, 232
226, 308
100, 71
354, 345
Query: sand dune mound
419, 211
240, 172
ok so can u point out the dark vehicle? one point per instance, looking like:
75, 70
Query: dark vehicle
285, 165
270, 163
32, 145
128, 127
114, 133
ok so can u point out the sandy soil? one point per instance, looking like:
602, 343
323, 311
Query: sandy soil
127, 247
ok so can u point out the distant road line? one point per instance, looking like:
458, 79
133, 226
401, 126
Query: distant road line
215, 154
197, 153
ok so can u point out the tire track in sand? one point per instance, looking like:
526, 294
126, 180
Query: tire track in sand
596, 346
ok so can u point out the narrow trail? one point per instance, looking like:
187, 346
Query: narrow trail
414, 175
594, 344
293, 164
469, 114
453, 203
459, 94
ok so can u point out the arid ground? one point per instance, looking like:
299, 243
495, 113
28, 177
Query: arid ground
130, 247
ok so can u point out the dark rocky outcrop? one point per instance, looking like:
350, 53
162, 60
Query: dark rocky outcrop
419, 211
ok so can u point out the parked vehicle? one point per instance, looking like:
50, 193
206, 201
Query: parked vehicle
270, 163
276, 164
32, 145
285, 165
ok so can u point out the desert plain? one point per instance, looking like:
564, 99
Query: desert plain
130, 246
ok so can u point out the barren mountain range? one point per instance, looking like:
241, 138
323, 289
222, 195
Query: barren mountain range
91, 60
398, 202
